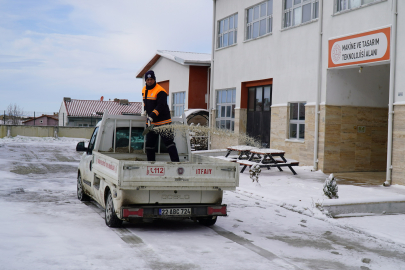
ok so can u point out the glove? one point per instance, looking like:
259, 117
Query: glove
150, 120
143, 113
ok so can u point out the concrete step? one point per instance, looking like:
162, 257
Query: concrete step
338, 208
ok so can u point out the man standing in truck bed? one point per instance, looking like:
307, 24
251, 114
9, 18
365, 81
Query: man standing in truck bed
158, 113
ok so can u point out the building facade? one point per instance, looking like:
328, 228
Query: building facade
43, 120
315, 78
184, 75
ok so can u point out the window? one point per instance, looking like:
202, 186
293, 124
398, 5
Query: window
227, 31
137, 139
259, 98
225, 115
92, 141
178, 103
341, 5
297, 120
259, 20
299, 11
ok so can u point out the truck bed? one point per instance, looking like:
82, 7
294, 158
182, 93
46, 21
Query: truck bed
129, 172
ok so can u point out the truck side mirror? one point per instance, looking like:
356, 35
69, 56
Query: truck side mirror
80, 147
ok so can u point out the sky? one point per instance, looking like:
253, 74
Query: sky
50, 49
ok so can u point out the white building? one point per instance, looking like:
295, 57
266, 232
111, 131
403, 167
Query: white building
184, 75
314, 78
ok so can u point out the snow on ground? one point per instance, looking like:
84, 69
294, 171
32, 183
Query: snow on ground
301, 192
273, 224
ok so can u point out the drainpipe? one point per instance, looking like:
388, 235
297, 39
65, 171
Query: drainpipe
208, 88
318, 94
212, 70
388, 180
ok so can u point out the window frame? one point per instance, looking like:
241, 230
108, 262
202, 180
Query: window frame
178, 105
249, 26
296, 122
234, 30
218, 107
263, 97
336, 4
290, 11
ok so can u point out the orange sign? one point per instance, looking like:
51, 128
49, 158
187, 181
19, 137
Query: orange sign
367, 47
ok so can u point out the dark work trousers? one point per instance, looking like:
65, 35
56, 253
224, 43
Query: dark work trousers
167, 139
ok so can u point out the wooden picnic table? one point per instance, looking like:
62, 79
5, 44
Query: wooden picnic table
243, 150
265, 157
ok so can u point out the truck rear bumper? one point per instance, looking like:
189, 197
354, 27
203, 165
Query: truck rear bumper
171, 211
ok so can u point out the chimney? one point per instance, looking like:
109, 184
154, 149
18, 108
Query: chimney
67, 99
124, 102
102, 98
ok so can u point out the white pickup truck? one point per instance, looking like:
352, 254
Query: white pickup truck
114, 172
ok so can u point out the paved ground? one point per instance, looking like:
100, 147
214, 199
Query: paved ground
42, 218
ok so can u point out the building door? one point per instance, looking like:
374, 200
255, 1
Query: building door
259, 114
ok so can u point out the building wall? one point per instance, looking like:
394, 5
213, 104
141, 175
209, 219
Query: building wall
63, 118
46, 121
38, 131
302, 151
198, 87
178, 75
398, 152
346, 148
348, 98
83, 121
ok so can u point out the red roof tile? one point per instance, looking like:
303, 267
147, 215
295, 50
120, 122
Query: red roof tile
81, 108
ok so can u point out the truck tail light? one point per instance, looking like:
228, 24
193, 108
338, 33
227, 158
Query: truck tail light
217, 210
134, 212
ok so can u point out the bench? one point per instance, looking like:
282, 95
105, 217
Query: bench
230, 159
280, 163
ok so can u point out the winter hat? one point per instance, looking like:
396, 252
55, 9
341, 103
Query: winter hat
150, 74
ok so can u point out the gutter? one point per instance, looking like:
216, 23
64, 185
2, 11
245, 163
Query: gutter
319, 90
212, 70
388, 180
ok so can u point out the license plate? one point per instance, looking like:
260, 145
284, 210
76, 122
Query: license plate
175, 212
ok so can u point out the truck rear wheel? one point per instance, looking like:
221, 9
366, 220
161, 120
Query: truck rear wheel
208, 221
80, 192
111, 219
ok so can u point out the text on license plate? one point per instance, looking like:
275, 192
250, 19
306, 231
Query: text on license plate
175, 211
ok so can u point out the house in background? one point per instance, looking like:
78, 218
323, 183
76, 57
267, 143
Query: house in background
184, 75
86, 113
43, 120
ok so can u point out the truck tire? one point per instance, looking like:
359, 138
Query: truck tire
80, 192
111, 219
208, 221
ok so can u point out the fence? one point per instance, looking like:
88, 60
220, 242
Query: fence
45, 131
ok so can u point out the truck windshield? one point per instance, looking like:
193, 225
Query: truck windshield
136, 137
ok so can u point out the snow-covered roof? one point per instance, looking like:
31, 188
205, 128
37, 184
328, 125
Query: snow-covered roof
183, 58
87, 108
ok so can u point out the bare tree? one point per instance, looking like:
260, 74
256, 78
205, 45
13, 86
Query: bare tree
14, 113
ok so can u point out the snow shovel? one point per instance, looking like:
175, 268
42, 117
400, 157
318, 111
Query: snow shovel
148, 129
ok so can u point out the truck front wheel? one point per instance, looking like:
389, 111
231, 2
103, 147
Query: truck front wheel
80, 192
208, 221
111, 219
